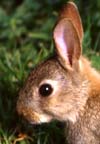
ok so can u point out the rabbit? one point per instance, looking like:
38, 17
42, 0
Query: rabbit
65, 87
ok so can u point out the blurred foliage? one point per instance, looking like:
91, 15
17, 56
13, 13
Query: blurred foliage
26, 39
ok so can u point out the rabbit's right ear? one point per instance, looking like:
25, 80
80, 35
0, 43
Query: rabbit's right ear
67, 36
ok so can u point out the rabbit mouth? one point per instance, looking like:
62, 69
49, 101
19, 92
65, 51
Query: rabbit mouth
32, 116
36, 118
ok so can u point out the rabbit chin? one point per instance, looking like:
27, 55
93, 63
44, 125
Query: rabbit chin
42, 118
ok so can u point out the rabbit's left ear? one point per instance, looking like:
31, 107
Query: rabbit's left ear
67, 36
70, 11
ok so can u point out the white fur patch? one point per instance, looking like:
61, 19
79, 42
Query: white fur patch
80, 65
44, 118
73, 117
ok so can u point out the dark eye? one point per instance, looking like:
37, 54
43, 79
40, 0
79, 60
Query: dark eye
45, 90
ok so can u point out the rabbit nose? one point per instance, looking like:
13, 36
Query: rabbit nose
27, 113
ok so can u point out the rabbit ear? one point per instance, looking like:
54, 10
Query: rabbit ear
67, 43
70, 11
68, 35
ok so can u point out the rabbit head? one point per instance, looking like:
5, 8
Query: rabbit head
56, 89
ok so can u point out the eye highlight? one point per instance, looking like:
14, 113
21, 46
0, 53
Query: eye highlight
45, 90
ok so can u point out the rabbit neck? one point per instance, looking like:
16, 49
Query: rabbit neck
91, 75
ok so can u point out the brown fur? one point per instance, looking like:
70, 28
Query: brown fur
76, 85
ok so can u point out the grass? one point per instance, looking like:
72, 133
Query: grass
25, 40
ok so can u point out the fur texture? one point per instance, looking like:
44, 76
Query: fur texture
76, 85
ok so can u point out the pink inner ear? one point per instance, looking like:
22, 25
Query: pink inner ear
62, 44
60, 41
67, 42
